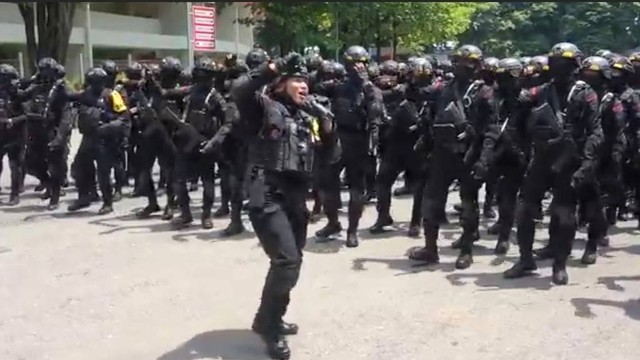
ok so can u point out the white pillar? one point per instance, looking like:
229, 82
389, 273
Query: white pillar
88, 45
190, 34
237, 27
21, 63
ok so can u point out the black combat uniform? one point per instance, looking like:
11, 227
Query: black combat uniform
279, 139
13, 130
565, 130
358, 107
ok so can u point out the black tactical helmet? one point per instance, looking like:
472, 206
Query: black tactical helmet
445, 65
61, 72
186, 77
8, 72
170, 64
603, 53
47, 63
47, 68
339, 69
390, 68
110, 67
537, 65
470, 52
326, 67
634, 57
134, 71
295, 67
96, 76
621, 66
420, 67
230, 60
524, 61
511, 66
566, 50
256, 57
314, 61
490, 64
356, 53
205, 65
596, 64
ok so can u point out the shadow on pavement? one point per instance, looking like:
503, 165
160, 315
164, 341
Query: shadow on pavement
220, 344
583, 307
495, 281
404, 265
631, 307
212, 236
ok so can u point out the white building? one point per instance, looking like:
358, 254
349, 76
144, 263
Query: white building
128, 31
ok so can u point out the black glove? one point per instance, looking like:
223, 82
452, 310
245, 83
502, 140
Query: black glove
580, 177
479, 171
210, 146
314, 108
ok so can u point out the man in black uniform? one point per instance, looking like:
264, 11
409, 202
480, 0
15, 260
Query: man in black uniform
358, 108
509, 158
13, 131
48, 130
409, 111
157, 119
631, 170
565, 130
101, 121
462, 112
279, 137
204, 110
133, 90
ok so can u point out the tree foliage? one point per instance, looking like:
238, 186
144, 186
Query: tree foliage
333, 25
53, 21
518, 28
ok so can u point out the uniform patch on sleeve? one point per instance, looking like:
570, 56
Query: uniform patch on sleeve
617, 107
591, 97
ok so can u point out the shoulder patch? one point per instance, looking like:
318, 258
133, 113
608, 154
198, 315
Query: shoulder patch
591, 97
617, 107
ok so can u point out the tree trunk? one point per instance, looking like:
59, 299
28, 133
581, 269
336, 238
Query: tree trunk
26, 10
394, 39
55, 22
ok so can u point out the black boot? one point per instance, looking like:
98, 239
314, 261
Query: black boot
81, 203
117, 196
524, 267
148, 211
428, 254
105, 209
14, 200
234, 228
206, 221
331, 229
378, 227
589, 257
502, 247
457, 244
464, 261
488, 212
559, 276
168, 213
352, 239
222, 212
182, 221
544, 253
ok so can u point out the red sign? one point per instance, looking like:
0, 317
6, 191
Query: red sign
203, 25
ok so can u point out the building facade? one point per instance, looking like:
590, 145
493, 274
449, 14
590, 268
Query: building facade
127, 31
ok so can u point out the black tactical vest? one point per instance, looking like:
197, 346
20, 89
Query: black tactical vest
289, 150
